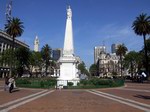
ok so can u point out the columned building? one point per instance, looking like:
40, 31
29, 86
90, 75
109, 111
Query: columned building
6, 43
56, 54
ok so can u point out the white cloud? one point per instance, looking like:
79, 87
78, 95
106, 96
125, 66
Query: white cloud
113, 33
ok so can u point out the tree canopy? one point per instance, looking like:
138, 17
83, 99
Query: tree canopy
93, 70
46, 56
141, 26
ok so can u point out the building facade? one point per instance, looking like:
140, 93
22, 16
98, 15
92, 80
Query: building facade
97, 51
108, 64
114, 48
6, 43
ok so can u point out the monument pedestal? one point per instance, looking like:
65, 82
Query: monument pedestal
68, 71
62, 82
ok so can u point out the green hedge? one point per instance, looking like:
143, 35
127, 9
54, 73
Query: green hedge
98, 83
83, 84
70, 83
36, 82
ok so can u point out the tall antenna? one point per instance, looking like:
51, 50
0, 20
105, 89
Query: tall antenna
8, 10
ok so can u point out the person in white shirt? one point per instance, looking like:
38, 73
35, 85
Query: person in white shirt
143, 74
11, 84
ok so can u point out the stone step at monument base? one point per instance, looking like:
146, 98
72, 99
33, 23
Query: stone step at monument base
65, 82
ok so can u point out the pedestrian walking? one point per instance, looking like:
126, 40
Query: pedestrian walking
11, 84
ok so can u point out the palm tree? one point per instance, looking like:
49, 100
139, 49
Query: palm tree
141, 26
46, 56
121, 51
14, 28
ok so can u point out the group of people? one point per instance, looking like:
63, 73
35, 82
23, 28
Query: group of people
140, 77
9, 84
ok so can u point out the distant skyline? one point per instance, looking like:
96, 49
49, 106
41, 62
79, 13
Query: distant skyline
95, 23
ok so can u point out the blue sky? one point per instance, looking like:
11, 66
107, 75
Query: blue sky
95, 22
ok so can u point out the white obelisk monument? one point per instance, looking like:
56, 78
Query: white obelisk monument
68, 63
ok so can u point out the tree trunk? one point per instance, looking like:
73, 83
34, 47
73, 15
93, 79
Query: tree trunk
46, 68
12, 57
121, 65
146, 57
131, 69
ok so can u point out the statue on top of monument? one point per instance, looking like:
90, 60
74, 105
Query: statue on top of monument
69, 12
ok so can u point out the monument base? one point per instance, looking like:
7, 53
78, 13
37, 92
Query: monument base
62, 82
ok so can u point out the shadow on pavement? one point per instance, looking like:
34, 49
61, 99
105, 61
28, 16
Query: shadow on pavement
15, 90
143, 97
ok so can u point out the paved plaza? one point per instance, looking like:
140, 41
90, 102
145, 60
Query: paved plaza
133, 97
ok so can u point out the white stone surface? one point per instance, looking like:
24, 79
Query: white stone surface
68, 42
36, 44
68, 68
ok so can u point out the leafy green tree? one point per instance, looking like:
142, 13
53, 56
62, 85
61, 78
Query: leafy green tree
131, 61
46, 56
141, 26
22, 55
83, 69
35, 60
54, 65
93, 70
121, 51
14, 28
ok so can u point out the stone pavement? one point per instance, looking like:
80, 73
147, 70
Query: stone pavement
134, 97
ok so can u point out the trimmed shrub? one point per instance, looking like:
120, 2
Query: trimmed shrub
22, 81
70, 83
42, 84
83, 84
36, 82
100, 83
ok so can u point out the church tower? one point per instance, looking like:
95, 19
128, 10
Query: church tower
68, 62
36, 44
